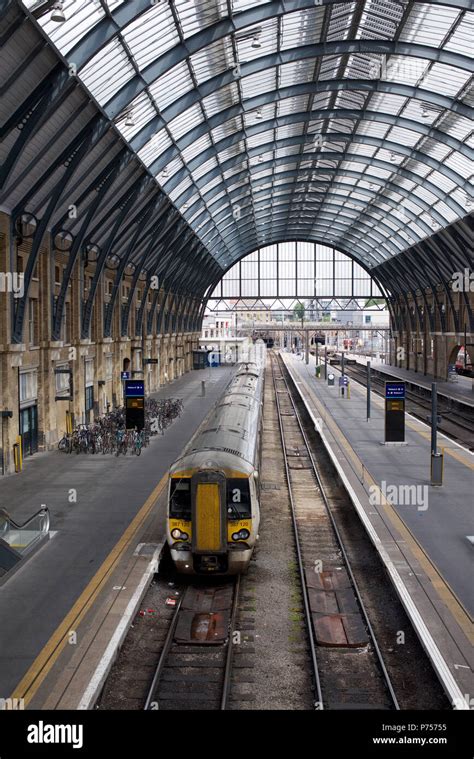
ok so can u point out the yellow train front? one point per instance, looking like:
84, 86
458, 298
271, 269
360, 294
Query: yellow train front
213, 496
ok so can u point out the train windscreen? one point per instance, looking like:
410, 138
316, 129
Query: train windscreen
180, 498
238, 498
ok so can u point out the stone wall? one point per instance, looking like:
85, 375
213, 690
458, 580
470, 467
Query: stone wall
104, 357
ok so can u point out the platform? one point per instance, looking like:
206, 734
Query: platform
461, 389
424, 545
95, 538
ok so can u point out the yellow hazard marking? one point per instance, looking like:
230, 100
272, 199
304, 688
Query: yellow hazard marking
32, 680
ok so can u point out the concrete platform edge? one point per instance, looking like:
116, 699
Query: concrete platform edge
101, 672
441, 667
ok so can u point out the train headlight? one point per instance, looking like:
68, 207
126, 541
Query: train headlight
178, 535
241, 535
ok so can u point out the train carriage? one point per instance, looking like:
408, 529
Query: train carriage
213, 496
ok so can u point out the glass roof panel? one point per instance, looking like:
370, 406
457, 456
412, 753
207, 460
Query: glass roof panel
460, 40
221, 99
145, 69
257, 84
194, 16
108, 72
151, 34
196, 148
172, 85
445, 79
140, 112
185, 121
428, 24
81, 17
155, 147
302, 27
212, 60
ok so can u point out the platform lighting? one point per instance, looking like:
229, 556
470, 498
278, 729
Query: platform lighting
57, 14
129, 121
468, 201
393, 157
260, 159
165, 173
256, 42
425, 114
259, 114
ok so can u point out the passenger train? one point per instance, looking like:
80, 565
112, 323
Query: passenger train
213, 496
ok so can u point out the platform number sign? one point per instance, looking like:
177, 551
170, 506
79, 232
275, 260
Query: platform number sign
134, 392
395, 393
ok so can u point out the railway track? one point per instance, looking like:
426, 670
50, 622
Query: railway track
348, 667
453, 423
195, 665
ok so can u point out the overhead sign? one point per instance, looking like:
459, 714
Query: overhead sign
124, 375
150, 360
134, 388
394, 390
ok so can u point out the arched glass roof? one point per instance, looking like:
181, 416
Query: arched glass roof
350, 123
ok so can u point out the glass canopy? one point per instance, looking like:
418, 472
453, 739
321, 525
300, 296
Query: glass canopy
347, 123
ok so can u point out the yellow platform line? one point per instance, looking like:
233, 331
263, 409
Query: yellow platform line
32, 680
440, 584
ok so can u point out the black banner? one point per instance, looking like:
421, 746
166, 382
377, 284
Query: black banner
342, 733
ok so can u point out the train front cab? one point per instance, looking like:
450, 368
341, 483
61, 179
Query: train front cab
212, 522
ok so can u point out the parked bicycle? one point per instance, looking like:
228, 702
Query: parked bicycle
107, 434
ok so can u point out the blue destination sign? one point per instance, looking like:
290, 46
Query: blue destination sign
134, 388
395, 390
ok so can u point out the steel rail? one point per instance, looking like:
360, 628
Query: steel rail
318, 704
317, 475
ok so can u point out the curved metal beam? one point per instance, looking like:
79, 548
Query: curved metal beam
369, 86
301, 117
137, 84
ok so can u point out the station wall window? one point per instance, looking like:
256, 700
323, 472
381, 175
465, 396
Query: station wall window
109, 366
89, 398
62, 381
64, 326
89, 371
32, 321
28, 385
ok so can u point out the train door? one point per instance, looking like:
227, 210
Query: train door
209, 521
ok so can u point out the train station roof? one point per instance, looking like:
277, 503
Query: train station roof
244, 122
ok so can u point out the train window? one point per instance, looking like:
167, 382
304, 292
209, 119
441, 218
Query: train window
180, 498
238, 498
